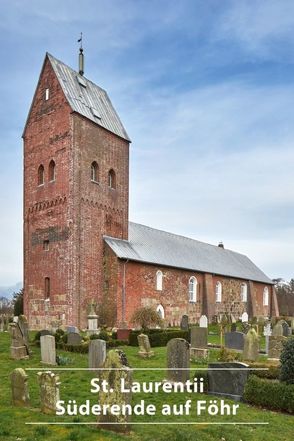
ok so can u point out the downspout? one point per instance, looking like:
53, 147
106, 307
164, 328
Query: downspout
123, 297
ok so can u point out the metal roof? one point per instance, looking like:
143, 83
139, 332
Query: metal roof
158, 247
88, 99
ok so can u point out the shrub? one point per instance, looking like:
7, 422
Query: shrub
271, 394
146, 317
228, 355
287, 362
103, 335
59, 334
204, 375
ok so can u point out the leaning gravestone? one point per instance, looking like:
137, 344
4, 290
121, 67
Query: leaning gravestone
227, 379
18, 348
184, 322
97, 353
48, 352
144, 346
178, 360
116, 370
251, 345
19, 388
276, 345
234, 340
74, 339
278, 330
203, 322
49, 391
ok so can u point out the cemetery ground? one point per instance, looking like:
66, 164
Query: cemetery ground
76, 385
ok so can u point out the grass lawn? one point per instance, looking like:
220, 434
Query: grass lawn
76, 385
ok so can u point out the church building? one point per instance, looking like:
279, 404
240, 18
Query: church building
79, 246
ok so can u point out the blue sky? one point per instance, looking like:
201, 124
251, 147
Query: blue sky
205, 90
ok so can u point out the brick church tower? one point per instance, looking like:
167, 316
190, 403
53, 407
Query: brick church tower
76, 184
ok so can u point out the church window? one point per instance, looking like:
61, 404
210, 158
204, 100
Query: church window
218, 292
94, 172
193, 289
51, 171
47, 94
111, 179
47, 287
160, 311
41, 175
159, 278
244, 292
265, 296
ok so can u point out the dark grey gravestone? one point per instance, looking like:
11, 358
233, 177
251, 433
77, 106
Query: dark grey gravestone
178, 360
198, 337
185, 322
227, 379
234, 340
74, 339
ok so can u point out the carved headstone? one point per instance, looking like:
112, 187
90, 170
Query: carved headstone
74, 339
97, 353
19, 388
92, 321
178, 360
116, 370
276, 345
184, 322
48, 351
49, 391
18, 348
203, 322
234, 340
144, 346
267, 332
244, 317
227, 379
251, 345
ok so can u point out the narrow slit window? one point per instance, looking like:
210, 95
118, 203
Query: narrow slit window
94, 172
47, 94
52, 172
41, 175
111, 179
47, 287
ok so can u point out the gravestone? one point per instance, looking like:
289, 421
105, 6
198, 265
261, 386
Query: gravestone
97, 353
24, 328
198, 337
267, 332
74, 339
19, 388
251, 346
18, 348
185, 322
178, 360
278, 330
203, 322
92, 321
244, 317
234, 340
227, 379
286, 328
144, 346
276, 345
72, 329
117, 369
48, 352
233, 327
49, 391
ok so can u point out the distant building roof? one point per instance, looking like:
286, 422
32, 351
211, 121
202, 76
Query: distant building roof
158, 247
88, 99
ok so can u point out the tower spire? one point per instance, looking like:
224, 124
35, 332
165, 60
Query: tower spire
81, 55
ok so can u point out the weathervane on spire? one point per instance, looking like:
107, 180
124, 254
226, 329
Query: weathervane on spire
81, 55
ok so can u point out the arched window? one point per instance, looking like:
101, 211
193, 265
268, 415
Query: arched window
41, 175
218, 292
159, 277
193, 289
94, 172
111, 179
160, 311
51, 173
265, 296
47, 287
244, 292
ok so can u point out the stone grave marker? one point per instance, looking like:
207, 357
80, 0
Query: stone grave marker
203, 322
48, 352
19, 388
278, 330
49, 391
97, 353
144, 346
72, 329
267, 332
18, 348
234, 340
24, 328
118, 369
251, 345
92, 321
198, 337
74, 339
286, 328
244, 317
276, 346
184, 322
178, 360
227, 379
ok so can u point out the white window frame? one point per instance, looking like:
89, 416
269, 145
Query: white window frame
265, 296
193, 289
244, 290
159, 280
218, 292
160, 311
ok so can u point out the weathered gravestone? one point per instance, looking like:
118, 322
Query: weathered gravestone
227, 379
278, 330
184, 322
18, 348
74, 339
97, 353
244, 317
178, 360
49, 391
198, 337
203, 322
48, 352
116, 370
234, 340
24, 329
267, 332
251, 345
19, 388
276, 345
144, 346
286, 328
92, 321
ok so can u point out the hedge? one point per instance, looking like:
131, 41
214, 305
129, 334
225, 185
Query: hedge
84, 347
159, 337
270, 394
